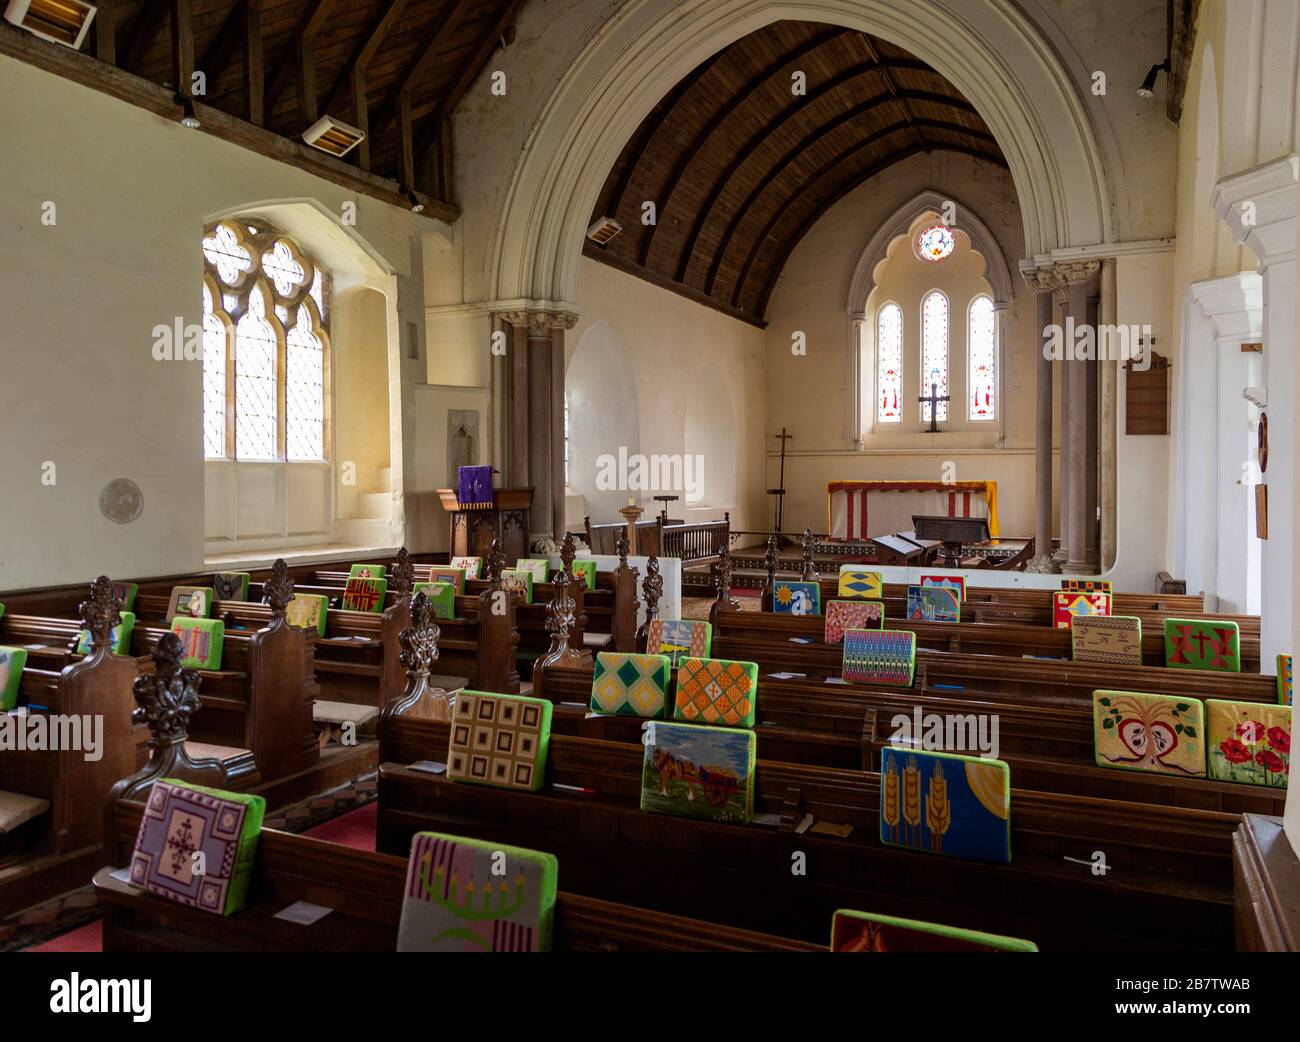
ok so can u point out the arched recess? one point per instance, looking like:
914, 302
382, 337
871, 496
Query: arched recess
1036, 117
711, 438
355, 496
603, 417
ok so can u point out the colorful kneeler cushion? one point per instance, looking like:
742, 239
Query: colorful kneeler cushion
1161, 734
864, 932
119, 634
879, 657
1087, 586
952, 582
933, 604
699, 772
473, 566
1067, 606
465, 895
942, 803
1116, 639
842, 616
231, 586
499, 740
1202, 644
201, 642
796, 598
366, 570
1249, 742
585, 570
191, 602
631, 685
540, 567
182, 820
123, 592
679, 639
1285, 683
454, 576
868, 585
362, 594
308, 611
12, 661
518, 581
441, 595
716, 691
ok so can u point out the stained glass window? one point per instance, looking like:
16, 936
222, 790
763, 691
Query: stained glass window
934, 351
274, 299
889, 364
935, 243
981, 338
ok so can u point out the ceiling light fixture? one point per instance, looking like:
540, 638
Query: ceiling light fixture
1147, 89
333, 136
188, 117
416, 205
60, 21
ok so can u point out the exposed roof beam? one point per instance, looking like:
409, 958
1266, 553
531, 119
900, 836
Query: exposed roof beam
387, 114
221, 49
148, 24
360, 58
290, 57
874, 55
861, 177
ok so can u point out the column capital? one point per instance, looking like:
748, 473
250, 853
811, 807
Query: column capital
1058, 276
1259, 206
539, 322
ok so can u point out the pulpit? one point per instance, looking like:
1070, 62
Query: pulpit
475, 525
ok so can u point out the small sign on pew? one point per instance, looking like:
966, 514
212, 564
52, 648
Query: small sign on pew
429, 767
786, 676
801, 640
304, 913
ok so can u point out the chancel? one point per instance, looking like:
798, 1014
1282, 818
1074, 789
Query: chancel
491, 476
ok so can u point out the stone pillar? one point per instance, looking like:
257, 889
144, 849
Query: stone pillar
1109, 436
535, 415
1061, 312
1090, 433
1001, 383
1042, 561
1074, 461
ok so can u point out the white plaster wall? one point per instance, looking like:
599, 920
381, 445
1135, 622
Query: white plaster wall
603, 418
80, 300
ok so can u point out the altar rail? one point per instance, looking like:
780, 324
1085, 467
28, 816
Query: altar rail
688, 541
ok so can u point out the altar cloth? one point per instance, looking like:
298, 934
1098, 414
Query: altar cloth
858, 510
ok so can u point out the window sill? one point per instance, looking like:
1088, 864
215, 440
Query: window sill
247, 559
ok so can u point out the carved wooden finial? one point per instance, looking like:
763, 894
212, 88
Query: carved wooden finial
167, 697
809, 549
100, 612
621, 548
277, 591
560, 612
403, 575
420, 641
568, 551
722, 575
652, 586
495, 563
770, 558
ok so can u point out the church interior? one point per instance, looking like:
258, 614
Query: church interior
486, 465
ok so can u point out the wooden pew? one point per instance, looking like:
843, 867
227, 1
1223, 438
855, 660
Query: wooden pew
58, 849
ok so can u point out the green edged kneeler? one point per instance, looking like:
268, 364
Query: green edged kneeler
454, 576
868, 585
231, 586
952, 582
441, 595
120, 634
1142, 732
473, 566
864, 932
1285, 686
879, 657
368, 571
942, 803
308, 611
1116, 639
465, 895
698, 772
182, 820
1249, 742
362, 594
12, 661
842, 616
499, 740
796, 598
631, 685
679, 639
124, 592
2, 611
201, 641
933, 604
540, 567
1202, 644
518, 581
716, 691
585, 570
190, 602
1068, 606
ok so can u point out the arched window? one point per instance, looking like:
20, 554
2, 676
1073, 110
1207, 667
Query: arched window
265, 346
981, 378
934, 351
889, 364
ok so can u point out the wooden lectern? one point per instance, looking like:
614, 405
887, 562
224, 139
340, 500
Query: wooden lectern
474, 527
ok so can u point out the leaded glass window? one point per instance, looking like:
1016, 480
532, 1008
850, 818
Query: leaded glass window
934, 351
981, 339
889, 364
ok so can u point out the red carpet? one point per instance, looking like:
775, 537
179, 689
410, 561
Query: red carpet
88, 938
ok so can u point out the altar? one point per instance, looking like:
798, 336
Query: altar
861, 510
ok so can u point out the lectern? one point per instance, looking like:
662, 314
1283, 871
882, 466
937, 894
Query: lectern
475, 525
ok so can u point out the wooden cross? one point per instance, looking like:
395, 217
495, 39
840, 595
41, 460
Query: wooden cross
779, 492
934, 398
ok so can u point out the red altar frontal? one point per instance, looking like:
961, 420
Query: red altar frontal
858, 510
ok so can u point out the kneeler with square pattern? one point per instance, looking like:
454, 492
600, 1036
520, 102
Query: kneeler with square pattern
366, 595
467, 895
1202, 644
631, 685
499, 740
716, 691
201, 642
182, 820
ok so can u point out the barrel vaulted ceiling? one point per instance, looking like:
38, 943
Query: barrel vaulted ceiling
740, 167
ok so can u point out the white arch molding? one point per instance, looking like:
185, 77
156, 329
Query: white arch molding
987, 49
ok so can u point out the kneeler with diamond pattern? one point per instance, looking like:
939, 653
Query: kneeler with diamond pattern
716, 691
631, 685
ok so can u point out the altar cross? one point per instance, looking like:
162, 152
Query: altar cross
779, 491
934, 398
